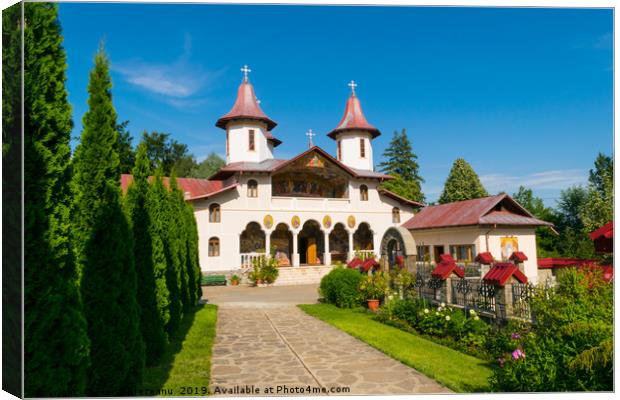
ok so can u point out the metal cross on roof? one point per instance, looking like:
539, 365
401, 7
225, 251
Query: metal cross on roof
352, 85
310, 134
245, 71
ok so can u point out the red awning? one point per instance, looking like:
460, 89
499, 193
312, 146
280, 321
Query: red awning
518, 256
484, 258
501, 272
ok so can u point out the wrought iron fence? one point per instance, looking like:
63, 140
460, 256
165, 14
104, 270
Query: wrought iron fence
521, 296
430, 288
473, 294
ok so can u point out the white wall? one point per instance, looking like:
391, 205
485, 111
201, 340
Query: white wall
238, 146
350, 149
237, 210
478, 237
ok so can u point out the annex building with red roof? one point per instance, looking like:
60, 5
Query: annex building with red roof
315, 208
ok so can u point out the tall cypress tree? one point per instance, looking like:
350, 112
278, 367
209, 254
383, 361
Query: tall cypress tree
151, 324
56, 344
192, 255
104, 247
401, 162
462, 184
173, 260
177, 206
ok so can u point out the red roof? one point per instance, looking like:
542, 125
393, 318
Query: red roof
545, 263
484, 258
518, 256
353, 119
501, 272
501, 210
603, 238
275, 141
444, 269
398, 198
245, 107
369, 263
192, 188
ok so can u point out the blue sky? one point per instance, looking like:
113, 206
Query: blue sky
524, 95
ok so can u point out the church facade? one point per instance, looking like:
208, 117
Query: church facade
316, 209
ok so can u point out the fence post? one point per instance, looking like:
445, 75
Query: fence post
448, 283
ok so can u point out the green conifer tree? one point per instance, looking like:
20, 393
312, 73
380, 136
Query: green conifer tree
56, 344
155, 204
193, 267
151, 324
462, 184
104, 247
401, 162
177, 207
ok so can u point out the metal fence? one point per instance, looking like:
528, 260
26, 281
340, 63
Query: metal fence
474, 294
521, 296
429, 288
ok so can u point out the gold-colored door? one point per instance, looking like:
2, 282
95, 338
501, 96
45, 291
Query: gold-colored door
311, 251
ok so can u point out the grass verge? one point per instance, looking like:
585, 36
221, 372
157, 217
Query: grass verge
185, 367
455, 370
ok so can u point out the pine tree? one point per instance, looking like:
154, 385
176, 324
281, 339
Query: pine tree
462, 184
177, 207
56, 344
104, 246
193, 264
401, 162
155, 204
151, 324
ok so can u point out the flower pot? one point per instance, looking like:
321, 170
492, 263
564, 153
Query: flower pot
234, 283
373, 305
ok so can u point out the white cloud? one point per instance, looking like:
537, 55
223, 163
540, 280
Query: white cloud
180, 79
553, 179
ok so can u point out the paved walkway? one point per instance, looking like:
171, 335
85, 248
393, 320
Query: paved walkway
275, 345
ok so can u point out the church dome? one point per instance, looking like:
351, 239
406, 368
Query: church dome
245, 107
353, 118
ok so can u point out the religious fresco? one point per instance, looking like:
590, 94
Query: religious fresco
351, 221
295, 222
311, 176
282, 245
509, 245
268, 221
327, 222
339, 243
252, 239
362, 238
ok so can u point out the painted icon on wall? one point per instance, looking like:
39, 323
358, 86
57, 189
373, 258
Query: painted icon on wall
509, 245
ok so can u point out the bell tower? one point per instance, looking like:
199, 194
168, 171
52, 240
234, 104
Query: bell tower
248, 128
354, 135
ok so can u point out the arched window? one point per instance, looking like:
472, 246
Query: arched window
252, 188
396, 215
364, 193
215, 214
214, 247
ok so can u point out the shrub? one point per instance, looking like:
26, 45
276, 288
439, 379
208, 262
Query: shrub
373, 286
339, 287
570, 346
265, 270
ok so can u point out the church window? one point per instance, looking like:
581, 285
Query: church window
215, 213
252, 188
214, 247
252, 144
395, 215
364, 193
362, 148
339, 151
227, 143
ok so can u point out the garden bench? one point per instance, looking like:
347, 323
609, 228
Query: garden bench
214, 280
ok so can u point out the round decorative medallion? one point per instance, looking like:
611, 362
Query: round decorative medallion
295, 221
351, 221
268, 221
327, 221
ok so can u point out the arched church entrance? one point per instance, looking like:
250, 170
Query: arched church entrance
339, 243
311, 243
252, 239
282, 244
362, 238
398, 249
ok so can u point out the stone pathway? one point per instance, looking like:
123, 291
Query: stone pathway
280, 347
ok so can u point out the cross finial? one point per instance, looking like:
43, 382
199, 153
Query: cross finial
310, 135
352, 85
245, 71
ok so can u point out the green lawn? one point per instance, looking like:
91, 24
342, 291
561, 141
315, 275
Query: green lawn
185, 367
457, 371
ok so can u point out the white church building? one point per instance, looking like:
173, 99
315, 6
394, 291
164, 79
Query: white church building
316, 209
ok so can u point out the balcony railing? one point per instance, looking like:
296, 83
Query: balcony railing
247, 259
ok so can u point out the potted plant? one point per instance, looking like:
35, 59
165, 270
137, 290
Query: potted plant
373, 288
234, 280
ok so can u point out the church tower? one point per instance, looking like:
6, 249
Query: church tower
248, 129
354, 135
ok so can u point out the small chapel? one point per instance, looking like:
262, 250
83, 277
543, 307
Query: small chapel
316, 209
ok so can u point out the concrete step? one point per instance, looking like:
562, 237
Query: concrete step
301, 275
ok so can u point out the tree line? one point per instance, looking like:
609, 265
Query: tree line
579, 211
108, 276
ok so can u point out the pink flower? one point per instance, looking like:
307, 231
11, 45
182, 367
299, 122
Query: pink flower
515, 336
518, 353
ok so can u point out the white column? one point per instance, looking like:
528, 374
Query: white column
268, 243
295, 254
351, 253
327, 257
